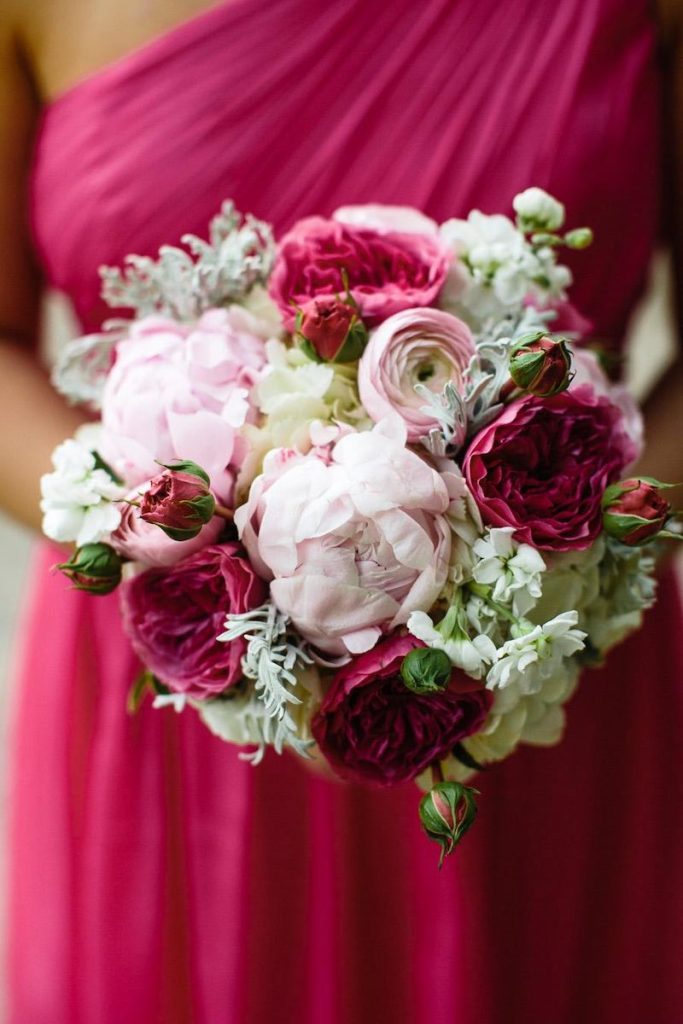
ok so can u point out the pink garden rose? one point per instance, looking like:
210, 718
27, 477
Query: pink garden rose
387, 271
542, 467
587, 370
180, 391
416, 346
353, 542
372, 728
146, 543
173, 617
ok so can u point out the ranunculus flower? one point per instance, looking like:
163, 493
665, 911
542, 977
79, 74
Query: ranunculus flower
372, 728
416, 346
180, 391
385, 271
353, 541
173, 617
542, 466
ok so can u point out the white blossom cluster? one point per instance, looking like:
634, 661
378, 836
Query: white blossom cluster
79, 497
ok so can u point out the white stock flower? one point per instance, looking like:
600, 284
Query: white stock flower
499, 268
533, 661
538, 211
513, 570
77, 497
472, 656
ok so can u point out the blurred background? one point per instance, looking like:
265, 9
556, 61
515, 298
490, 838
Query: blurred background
650, 347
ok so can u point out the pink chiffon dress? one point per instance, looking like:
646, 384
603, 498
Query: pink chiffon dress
154, 877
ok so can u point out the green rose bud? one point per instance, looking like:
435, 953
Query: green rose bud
579, 238
426, 670
446, 813
540, 365
95, 568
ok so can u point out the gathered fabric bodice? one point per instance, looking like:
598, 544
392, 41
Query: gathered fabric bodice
292, 107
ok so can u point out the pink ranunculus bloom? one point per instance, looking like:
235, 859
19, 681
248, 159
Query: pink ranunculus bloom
372, 728
353, 541
181, 391
542, 466
415, 346
386, 271
173, 617
148, 544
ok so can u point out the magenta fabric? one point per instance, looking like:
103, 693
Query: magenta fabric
153, 876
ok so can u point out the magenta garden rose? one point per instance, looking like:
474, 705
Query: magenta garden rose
416, 346
174, 615
372, 728
352, 543
386, 271
543, 465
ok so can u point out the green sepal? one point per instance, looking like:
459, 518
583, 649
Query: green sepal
620, 526
462, 754
138, 691
189, 467
100, 463
354, 345
308, 349
426, 670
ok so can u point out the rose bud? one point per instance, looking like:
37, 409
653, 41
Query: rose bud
446, 813
634, 511
426, 670
540, 365
95, 568
330, 330
179, 501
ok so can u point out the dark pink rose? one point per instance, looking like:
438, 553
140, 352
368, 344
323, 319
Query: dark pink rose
542, 467
372, 728
386, 272
174, 615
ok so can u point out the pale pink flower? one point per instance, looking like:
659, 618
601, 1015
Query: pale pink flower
416, 346
381, 217
181, 391
351, 544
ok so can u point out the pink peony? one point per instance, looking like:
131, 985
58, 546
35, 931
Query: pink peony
372, 728
542, 467
146, 543
386, 271
416, 346
353, 542
179, 391
173, 617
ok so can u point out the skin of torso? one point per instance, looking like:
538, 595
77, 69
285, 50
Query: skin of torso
68, 40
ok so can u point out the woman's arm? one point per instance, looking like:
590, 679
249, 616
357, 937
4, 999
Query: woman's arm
33, 419
663, 457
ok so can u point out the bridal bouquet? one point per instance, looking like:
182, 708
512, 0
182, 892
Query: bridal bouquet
362, 491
